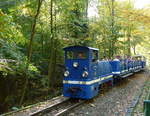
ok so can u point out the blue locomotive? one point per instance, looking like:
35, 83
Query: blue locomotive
84, 73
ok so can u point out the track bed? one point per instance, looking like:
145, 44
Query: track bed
116, 101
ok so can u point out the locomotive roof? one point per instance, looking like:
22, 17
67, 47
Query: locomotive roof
138, 55
81, 47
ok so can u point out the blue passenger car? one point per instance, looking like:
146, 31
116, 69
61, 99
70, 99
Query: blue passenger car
84, 73
121, 68
139, 63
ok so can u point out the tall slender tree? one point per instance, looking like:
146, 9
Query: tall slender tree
29, 54
50, 66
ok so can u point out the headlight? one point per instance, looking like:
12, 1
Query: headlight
75, 64
85, 74
66, 73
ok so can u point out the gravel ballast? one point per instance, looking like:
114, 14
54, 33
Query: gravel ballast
116, 101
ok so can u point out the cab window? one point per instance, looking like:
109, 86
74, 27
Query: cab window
76, 55
69, 55
94, 56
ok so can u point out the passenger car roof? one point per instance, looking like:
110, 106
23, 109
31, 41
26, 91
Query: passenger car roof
79, 47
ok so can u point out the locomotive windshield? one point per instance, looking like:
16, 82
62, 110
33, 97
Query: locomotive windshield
76, 55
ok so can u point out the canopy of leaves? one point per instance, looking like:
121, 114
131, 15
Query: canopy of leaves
119, 29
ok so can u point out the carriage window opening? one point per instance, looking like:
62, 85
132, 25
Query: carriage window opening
94, 56
76, 55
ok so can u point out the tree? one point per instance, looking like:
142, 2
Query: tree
29, 55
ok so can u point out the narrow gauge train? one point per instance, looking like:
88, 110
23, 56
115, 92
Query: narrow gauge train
84, 73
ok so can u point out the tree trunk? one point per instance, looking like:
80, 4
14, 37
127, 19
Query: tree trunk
112, 36
50, 67
134, 49
129, 41
129, 46
112, 30
29, 54
53, 79
86, 8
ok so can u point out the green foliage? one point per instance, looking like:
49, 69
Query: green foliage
75, 20
10, 50
9, 30
109, 32
117, 30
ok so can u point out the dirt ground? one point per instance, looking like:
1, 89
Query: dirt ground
116, 101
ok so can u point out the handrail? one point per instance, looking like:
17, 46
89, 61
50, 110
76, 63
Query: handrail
147, 105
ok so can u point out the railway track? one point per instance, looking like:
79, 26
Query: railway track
54, 107
33, 109
60, 109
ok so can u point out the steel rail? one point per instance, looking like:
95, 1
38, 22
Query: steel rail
62, 111
48, 107
14, 113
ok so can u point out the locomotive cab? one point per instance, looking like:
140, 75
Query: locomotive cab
76, 63
78, 77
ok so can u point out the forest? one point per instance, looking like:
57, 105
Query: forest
33, 34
